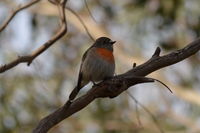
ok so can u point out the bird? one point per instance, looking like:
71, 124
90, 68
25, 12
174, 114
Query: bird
97, 64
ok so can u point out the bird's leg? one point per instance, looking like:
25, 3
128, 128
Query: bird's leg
94, 83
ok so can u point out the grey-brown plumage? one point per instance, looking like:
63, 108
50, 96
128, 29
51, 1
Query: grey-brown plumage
97, 64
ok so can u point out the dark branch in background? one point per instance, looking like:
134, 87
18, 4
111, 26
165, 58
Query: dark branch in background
90, 13
146, 110
29, 58
12, 15
115, 86
137, 113
136, 109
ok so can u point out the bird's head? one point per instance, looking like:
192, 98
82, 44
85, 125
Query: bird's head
104, 42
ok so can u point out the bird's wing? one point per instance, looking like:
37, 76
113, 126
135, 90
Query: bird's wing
80, 76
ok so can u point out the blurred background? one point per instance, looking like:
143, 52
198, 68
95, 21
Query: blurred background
27, 94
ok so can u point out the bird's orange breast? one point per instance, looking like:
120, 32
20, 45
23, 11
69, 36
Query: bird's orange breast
105, 54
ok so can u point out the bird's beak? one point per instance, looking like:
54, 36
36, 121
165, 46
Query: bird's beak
112, 42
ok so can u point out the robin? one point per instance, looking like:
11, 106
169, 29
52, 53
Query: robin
97, 64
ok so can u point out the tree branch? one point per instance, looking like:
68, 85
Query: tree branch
82, 22
115, 86
29, 58
12, 15
146, 110
79, 18
158, 62
88, 9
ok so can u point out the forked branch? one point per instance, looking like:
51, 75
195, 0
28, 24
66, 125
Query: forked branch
29, 58
12, 15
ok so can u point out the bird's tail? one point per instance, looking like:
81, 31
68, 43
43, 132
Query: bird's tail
74, 93
72, 96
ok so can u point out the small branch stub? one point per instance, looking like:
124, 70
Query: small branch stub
134, 64
157, 52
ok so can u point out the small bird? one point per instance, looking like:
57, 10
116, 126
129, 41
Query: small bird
97, 64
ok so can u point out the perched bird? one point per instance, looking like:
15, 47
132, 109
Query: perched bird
97, 64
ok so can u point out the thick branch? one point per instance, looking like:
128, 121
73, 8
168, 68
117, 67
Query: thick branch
115, 86
29, 58
158, 62
109, 88
12, 15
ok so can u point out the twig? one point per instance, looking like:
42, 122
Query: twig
137, 111
79, 18
157, 52
146, 109
134, 64
90, 13
153, 79
137, 114
163, 84
82, 22
12, 15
